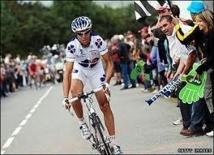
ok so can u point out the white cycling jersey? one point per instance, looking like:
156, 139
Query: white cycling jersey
87, 61
87, 57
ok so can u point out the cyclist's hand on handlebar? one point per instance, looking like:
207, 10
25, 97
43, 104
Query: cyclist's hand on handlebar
65, 103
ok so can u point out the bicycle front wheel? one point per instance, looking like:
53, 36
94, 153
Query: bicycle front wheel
100, 133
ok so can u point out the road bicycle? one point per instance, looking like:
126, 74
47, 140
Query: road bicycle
99, 139
34, 81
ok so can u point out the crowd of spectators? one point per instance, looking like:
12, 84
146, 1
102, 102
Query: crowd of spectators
17, 72
166, 57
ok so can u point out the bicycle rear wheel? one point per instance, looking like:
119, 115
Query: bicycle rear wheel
100, 130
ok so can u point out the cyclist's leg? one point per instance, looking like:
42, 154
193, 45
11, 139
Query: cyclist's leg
36, 79
31, 80
77, 84
107, 112
76, 88
96, 79
109, 121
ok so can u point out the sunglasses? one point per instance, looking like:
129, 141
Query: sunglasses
85, 33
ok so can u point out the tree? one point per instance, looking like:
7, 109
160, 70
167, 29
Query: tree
27, 27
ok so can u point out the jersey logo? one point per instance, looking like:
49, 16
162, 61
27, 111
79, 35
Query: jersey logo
75, 71
98, 43
93, 53
102, 79
71, 49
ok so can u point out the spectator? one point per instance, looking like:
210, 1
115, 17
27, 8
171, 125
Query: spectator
201, 36
196, 7
164, 10
206, 25
144, 34
192, 120
3, 84
124, 56
116, 60
158, 55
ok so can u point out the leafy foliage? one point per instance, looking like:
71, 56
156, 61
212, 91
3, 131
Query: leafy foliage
27, 27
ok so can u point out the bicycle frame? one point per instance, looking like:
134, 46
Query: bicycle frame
99, 140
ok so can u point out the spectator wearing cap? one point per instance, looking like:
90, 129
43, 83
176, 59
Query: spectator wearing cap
194, 34
164, 10
196, 7
175, 11
144, 34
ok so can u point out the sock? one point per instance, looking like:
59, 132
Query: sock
81, 121
113, 140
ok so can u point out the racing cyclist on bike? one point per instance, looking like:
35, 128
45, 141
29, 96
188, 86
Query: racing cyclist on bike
33, 70
83, 62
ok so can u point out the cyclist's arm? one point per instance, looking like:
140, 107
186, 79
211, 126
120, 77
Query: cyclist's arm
109, 66
67, 78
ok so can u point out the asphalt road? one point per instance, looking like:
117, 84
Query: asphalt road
34, 122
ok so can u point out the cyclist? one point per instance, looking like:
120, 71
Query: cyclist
33, 70
83, 62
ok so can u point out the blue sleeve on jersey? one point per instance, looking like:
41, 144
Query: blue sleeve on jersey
73, 38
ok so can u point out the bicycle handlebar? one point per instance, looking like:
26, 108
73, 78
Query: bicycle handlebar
84, 95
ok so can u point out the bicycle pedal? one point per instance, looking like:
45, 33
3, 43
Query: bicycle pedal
94, 146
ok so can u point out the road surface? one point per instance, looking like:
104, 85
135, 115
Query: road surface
34, 122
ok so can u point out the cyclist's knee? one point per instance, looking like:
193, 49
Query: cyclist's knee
74, 93
77, 104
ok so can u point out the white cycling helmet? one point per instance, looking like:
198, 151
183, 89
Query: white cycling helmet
80, 24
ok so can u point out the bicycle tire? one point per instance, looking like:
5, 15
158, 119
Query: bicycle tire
36, 83
97, 125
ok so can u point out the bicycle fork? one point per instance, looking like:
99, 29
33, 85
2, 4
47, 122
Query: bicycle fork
99, 142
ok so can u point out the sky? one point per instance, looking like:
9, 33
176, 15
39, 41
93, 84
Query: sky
46, 3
